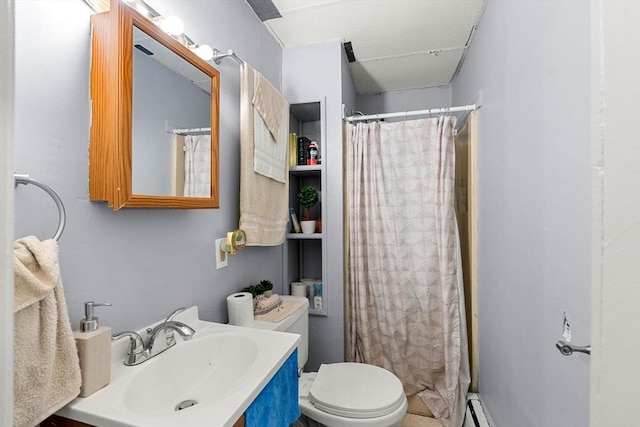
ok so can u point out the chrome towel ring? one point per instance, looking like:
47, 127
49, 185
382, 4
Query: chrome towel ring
25, 179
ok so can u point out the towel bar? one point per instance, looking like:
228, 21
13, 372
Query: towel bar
25, 179
218, 56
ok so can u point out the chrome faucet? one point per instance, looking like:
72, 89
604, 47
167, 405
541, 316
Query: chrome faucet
171, 340
176, 311
138, 352
157, 344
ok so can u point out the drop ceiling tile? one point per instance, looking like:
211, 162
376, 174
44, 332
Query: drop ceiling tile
413, 71
289, 6
380, 28
395, 32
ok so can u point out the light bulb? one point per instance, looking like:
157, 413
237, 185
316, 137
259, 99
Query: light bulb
204, 51
172, 25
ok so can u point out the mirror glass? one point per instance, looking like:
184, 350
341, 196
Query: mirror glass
171, 115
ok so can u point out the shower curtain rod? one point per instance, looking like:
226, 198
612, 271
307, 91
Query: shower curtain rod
190, 130
471, 107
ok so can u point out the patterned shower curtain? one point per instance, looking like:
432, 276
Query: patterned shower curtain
406, 298
197, 166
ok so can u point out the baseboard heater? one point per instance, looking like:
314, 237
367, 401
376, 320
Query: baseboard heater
475, 416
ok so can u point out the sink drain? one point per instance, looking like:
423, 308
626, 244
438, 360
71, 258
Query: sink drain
186, 404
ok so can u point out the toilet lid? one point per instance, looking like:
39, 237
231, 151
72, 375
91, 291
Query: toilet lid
356, 390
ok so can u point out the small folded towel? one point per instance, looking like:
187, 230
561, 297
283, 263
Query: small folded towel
270, 130
285, 310
263, 305
46, 366
264, 202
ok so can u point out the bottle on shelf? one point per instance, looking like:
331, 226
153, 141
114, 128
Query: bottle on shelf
312, 155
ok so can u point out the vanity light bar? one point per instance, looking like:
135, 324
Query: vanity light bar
203, 51
171, 25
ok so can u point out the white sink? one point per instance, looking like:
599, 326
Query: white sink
214, 377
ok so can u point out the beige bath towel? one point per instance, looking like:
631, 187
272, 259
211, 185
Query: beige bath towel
46, 366
263, 201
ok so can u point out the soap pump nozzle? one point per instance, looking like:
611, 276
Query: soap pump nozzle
90, 323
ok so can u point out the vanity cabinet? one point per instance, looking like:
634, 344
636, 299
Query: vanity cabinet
305, 254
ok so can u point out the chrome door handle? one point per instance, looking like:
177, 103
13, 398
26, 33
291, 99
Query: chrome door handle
567, 349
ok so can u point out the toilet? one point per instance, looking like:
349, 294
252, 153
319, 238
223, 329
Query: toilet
341, 394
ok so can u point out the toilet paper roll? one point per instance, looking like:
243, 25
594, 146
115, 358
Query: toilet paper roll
240, 308
298, 289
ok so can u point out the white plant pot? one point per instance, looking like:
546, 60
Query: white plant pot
308, 227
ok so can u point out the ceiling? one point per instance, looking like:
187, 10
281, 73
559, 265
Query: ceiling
398, 44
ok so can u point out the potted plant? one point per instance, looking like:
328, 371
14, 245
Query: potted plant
267, 287
308, 197
253, 290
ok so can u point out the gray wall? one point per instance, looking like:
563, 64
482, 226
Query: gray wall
404, 100
531, 60
349, 94
310, 74
146, 262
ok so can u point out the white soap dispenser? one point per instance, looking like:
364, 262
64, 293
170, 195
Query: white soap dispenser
94, 351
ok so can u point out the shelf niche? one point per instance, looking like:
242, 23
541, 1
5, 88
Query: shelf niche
304, 254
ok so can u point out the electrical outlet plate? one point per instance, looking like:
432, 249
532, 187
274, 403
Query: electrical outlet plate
222, 258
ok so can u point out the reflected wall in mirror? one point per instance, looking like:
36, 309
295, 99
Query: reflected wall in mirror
171, 103
154, 135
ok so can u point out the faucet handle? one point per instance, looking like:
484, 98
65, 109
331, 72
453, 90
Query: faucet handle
136, 345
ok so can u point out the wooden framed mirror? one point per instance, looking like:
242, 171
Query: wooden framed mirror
154, 137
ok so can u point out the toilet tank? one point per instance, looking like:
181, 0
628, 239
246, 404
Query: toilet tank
297, 323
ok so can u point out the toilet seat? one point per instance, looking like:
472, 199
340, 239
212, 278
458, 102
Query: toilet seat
356, 390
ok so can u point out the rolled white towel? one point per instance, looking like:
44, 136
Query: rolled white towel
267, 303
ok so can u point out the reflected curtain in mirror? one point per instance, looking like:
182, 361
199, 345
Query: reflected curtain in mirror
197, 161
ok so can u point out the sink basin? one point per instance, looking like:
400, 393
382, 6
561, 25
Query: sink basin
209, 380
202, 370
